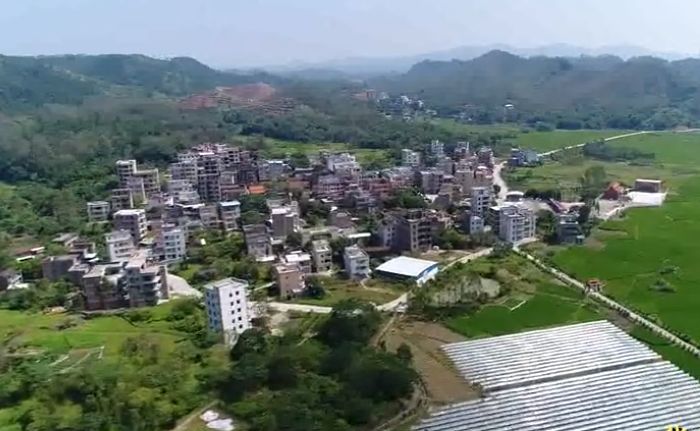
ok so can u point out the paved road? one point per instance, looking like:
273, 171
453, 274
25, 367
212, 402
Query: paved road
612, 138
302, 308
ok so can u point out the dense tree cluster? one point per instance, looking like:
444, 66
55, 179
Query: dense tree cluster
219, 256
147, 386
602, 151
334, 380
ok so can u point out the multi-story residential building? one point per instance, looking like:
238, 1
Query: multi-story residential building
445, 165
520, 157
270, 170
150, 181
284, 221
133, 221
356, 262
400, 176
476, 224
172, 244
568, 229
493, 218
257, 241
410, 158
329, 186
359, 199
340, 219
98, 210
343, 165
229, 186
431, 181
120, 245
209, 171
229, 213
228, 311
125, 170
209, 217
103, 287
412, 232
146, 283
378, 186
437, 149
484, 156
480, 200
322, 255
184, 170
54, 268
138, 190
516, 224
301, 259
387, 231
462, 150
183, 192
143, 183
122, 199
290, 280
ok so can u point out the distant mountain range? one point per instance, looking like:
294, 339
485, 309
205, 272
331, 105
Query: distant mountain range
583, 91
360, 67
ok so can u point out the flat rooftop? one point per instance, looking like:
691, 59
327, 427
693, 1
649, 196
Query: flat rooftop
129, 212
354, 251
297, 257
406, 266
546, 354
225, 283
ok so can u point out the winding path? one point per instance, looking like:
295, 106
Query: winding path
612, 138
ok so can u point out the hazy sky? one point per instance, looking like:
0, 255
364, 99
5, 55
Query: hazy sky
236, 33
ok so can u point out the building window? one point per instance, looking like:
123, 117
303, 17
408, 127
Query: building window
239, 310
237, 301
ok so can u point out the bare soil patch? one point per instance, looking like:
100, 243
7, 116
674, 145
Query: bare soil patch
443, 383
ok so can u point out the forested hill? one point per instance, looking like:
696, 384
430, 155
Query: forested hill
28, 82
593, 91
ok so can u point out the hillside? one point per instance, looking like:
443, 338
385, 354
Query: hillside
598, 91
30, 82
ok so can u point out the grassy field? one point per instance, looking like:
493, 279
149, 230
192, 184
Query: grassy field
551, 304
534, 301
649, 245
338, 289
547, 141
566, 177
652, 246
40, 331
539, 141
677, 157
